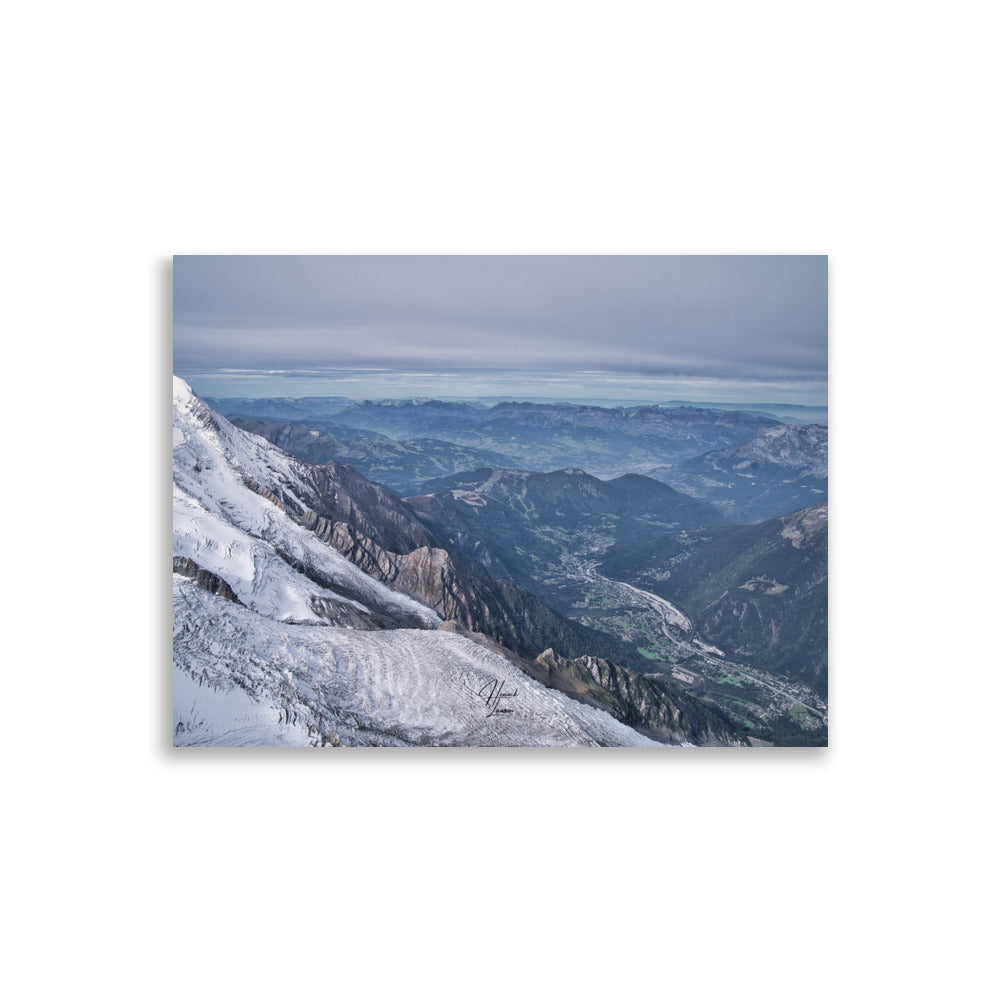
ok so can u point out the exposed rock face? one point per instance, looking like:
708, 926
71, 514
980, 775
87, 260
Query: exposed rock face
641, 702
252, 484
425, 573
337, 493
206, 580
344, 616
498, 609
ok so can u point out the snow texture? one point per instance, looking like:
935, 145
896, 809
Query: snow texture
237, 534
247, 680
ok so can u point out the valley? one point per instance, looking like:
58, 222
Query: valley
769, 707
520, 524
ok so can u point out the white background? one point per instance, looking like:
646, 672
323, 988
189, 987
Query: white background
859, 130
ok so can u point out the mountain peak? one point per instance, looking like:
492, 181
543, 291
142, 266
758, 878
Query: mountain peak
182, 390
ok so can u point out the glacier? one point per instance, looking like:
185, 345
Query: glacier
255, 681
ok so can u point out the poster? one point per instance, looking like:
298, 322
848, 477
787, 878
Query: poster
522, 500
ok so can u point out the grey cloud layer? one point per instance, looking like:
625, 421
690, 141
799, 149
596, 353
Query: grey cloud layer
739, 316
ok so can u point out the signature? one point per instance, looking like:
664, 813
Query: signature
493, 693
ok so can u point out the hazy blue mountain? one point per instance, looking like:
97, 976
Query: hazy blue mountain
543, 437
789, 413
280, 407
778, 470
606, 441
401, 466
411, 418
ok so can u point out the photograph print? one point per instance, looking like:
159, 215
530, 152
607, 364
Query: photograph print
500, 501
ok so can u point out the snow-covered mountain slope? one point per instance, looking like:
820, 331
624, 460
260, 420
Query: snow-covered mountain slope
232, 496
242, 679
296, 646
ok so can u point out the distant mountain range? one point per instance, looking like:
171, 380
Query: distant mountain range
790, 413
401, 466
281, 407
778, 470
540, 437
304, 407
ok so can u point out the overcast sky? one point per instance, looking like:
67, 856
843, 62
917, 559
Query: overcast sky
758, 320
